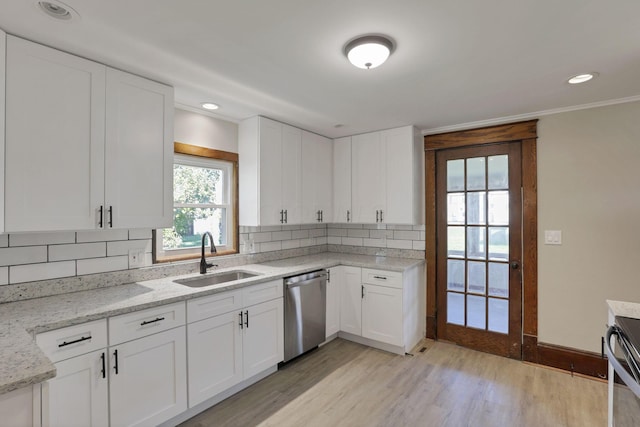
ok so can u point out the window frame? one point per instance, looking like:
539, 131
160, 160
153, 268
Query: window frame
231, 163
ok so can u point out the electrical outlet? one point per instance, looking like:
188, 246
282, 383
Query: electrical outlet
136, 258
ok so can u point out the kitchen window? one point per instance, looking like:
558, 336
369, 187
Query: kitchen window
204, 199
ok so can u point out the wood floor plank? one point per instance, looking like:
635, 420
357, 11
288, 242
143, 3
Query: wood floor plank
347, 384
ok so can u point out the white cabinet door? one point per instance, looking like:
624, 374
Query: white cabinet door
139, 152
342, 180
55, 118
336, 278
368, 178
291, 174
78, 395
17, 407
263, 337
382, 314
215, 355
3, 69
317, 158
270, 177
400, 176
148, 381
351, 300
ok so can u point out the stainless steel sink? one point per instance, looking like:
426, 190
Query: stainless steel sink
215, 279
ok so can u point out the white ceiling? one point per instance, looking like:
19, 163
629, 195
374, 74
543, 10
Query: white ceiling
456, 61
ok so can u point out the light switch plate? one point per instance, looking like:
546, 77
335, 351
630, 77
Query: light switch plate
552, 237
136, 258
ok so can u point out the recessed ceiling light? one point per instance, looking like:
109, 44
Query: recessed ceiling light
210, 106
368, 51
58, 10
581, 78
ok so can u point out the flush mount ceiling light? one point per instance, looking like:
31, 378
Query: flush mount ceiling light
581, 78
210, 106
57, 10
368, 51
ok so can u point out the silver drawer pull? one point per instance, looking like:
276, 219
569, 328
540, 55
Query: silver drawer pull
64, 343
147, 322
380, 277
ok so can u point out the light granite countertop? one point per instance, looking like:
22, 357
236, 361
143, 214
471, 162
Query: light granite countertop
624, 308
22, 363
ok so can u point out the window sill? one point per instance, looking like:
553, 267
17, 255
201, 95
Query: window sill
194, 256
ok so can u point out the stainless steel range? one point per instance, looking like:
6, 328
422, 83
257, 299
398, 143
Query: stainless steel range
624, 372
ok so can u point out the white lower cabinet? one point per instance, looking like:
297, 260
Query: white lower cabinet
350, 282
234, 336
78, 395
333, 301
382, 314
382, 308
148, 381
20, 407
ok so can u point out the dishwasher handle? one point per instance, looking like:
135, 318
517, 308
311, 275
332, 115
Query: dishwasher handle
304, 279
617, 366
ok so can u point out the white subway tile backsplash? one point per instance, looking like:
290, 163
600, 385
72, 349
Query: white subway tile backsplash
379, 234
139, 233
281, 235
318, 232
23, 255
406, 235
271, 228
290, 244
321, 240
376, 243
260, 237
123, 247
4, 240
102, 235
300, 234
4, 275
399, 244
358, 233
342, 232
270, 246
418, 245
352, 241
332, 240
49, 270
399, 227
35, 239
77, 251
102, 265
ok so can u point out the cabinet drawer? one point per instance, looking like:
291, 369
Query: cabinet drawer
130, 326
73, 341
392, 279
256, 294
213, 305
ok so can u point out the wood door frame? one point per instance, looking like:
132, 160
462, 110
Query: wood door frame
526, 134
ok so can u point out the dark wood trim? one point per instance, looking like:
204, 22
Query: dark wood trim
481, 136
530, 237
194, 150
430, 243
187, 257
565, 358
526, 134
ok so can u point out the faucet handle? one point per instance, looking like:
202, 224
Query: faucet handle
211, 265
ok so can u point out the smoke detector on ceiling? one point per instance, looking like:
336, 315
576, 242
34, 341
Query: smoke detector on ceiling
57, 10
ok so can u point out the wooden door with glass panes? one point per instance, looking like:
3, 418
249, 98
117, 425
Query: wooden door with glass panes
479, 224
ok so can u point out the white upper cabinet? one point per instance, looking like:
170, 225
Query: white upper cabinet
342, 180
368, 175
3, 56
270, 188
81, 139
55, 118
387, 177
317, 160
139, 152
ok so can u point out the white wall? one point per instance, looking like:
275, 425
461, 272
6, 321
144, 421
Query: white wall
588, 187
205, 131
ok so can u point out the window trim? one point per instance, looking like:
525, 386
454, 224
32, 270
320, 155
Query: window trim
232, 238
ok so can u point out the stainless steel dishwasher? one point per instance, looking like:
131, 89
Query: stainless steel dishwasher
305, 301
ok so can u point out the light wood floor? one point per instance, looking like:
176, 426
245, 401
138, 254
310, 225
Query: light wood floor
346, 384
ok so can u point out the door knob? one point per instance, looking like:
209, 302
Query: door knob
515, 265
